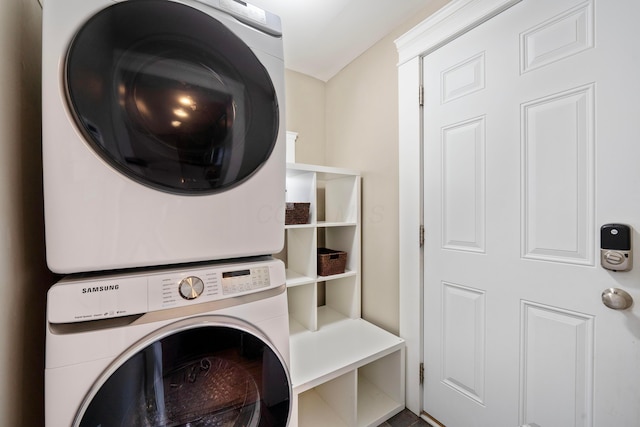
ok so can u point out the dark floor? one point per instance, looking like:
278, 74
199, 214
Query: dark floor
405, 418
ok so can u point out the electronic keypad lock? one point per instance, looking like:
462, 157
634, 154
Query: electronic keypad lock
615, 247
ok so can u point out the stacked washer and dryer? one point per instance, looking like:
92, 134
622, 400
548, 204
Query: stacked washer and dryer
163, 162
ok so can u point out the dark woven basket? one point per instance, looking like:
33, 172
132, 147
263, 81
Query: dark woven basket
296, 213
331, 262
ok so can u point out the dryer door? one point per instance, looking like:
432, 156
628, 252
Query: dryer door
170, 97
201, 374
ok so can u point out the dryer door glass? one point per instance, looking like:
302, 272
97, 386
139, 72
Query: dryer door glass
207, 376
171, 97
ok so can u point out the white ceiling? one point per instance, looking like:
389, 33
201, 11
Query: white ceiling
322, 36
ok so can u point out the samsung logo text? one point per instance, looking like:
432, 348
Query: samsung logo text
104, 288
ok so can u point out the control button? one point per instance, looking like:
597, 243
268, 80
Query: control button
191, 287
614, 257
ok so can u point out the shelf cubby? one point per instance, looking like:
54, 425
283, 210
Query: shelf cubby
345, 370
334, 222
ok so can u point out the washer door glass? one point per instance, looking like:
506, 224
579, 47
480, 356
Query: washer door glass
170, 97
206, 376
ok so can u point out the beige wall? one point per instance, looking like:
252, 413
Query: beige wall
305, 105
361, 132
23, 275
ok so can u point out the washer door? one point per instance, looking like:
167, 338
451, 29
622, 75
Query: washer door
170, 97
201, 374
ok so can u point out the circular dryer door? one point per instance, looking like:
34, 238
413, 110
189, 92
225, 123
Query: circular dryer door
199, 375
170, 97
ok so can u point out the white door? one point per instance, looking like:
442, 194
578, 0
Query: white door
531, 144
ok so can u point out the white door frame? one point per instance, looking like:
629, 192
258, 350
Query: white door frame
456, 18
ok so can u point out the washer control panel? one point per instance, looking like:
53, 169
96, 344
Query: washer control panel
79, 300
166, 291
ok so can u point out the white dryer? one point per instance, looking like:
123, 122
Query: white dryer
205, 345
163, 132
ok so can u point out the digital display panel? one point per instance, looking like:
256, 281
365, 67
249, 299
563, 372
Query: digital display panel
237, 273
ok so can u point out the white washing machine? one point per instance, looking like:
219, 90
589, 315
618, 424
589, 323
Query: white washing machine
163, 132
205, 345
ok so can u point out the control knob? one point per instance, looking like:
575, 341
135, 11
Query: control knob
191, 287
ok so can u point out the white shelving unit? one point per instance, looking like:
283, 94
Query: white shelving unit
345, 370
